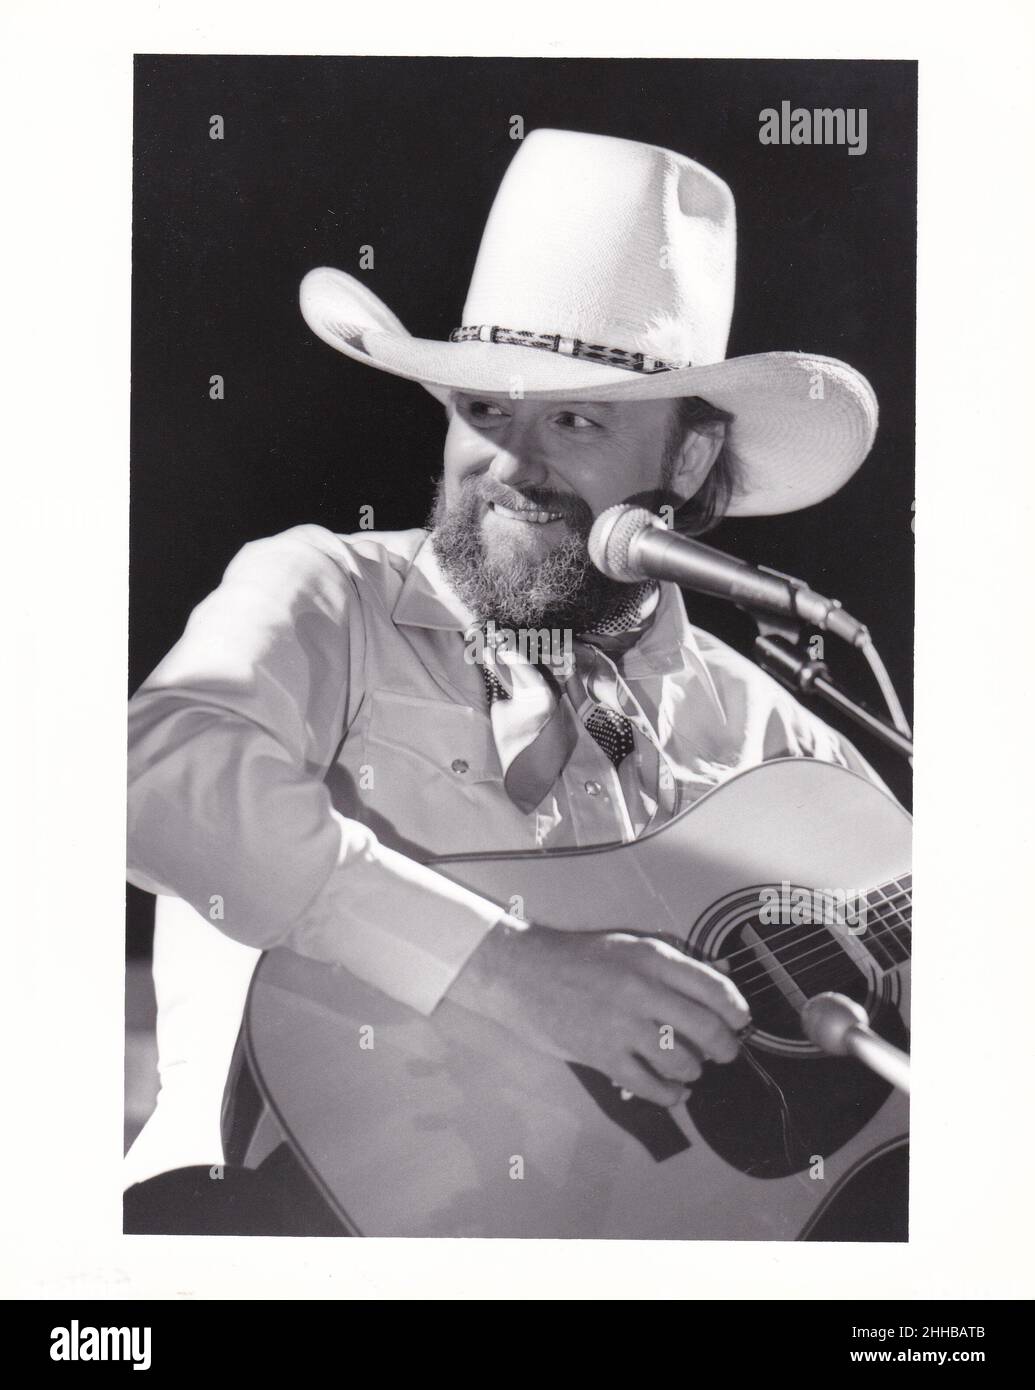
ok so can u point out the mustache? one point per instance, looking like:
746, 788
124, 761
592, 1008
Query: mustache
573, 509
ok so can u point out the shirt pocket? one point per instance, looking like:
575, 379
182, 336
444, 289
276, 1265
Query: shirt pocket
433, 737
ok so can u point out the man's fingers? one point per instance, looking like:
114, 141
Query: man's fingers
696, 1023
636, 1076
703, 983
670, 1055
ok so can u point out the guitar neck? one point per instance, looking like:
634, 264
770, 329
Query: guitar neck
887, 921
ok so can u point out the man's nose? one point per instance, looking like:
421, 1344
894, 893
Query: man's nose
518, 460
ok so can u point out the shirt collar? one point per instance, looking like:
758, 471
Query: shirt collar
667, 647
427, 599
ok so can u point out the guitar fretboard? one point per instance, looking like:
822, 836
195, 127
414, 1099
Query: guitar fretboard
889, 917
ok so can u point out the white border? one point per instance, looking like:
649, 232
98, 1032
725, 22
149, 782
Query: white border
66, 89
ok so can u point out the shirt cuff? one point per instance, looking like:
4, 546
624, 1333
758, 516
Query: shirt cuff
394, 923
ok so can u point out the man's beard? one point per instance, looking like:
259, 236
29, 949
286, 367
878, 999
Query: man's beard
562, 590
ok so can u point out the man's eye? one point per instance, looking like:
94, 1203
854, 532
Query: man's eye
575, 422
485, 410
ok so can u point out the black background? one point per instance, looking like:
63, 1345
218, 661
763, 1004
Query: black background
324, 155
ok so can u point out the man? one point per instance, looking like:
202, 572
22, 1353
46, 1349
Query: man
321, 728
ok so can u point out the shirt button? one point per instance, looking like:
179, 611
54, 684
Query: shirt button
458, 765
593, 788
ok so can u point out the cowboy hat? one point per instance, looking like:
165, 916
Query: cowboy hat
606, 272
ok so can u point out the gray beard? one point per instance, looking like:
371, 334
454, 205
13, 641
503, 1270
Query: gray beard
563, 591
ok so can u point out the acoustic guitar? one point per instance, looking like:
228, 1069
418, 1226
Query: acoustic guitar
792, 877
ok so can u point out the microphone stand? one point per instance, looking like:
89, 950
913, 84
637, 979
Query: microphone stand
835, 1023
804, 674
780, 651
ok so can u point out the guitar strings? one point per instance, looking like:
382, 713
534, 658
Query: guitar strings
821, 936
843, 979
843, 976
904, 895
837, 955
790, 930
886, 909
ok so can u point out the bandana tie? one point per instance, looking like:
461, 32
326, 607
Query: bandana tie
535, 707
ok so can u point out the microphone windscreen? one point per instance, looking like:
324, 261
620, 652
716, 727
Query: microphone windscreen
613, 533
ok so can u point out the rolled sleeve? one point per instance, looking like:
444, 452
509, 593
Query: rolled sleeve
230, 739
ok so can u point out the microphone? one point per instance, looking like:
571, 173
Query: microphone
840, 1026
630, 544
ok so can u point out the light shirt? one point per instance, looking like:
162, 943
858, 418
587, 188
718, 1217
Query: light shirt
317, 732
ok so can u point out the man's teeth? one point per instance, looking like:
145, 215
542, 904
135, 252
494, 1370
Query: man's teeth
526, 514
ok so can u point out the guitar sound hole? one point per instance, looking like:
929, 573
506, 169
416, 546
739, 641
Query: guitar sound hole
778, 964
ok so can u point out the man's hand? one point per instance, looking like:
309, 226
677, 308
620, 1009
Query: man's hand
632, 1007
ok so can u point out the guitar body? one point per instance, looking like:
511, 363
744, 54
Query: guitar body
448, 1126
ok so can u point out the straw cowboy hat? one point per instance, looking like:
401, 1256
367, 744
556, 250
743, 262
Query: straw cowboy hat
606, 272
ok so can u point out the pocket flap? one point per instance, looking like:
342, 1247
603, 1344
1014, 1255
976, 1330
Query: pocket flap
455, 739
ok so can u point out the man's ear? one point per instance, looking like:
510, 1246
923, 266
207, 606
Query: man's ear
699, 451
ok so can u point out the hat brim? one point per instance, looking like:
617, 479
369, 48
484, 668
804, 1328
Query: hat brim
802, 423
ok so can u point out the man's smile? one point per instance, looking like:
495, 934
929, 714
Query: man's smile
531, 514
519, 556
